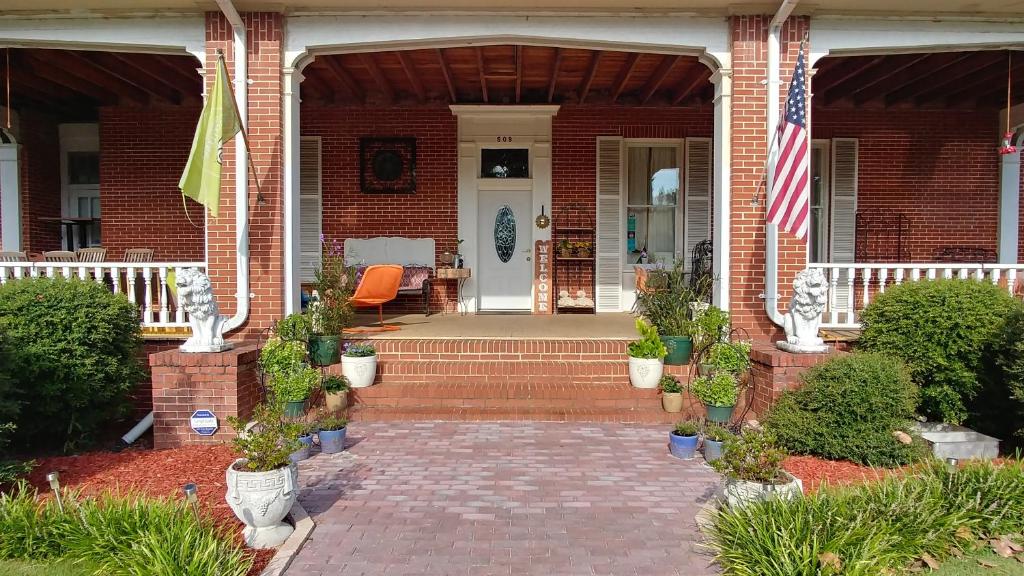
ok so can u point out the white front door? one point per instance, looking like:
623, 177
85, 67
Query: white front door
505, 277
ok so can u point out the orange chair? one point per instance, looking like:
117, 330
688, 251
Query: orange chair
378, 285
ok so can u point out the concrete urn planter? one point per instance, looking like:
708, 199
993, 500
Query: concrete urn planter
261, 500
645, 372
360, 370
743, 492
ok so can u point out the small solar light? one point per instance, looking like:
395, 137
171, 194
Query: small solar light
54, 479
952, 463
192, 497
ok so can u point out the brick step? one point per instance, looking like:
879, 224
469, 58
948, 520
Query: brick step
547, 414
541, 372
498, 349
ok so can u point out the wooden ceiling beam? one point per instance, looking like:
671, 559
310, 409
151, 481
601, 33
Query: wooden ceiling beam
984, 86
78, 65
963, 65
996, 96
624, 73
554, 75
839, 76
658, 77
983, 73
688, 87
113, 66
447, 73
33, 100
346, 80
190, 91
378, 76
60, 76
188, 71
588, 80
21, 77
317, 86
410, 72
519, 73
923, 66
480, 68
890, 66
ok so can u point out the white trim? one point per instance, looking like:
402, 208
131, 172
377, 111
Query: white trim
721, 209
292, 191
166, 35
10, 197
826, 208
1009, 205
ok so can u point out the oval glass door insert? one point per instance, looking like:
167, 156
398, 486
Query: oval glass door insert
505, 233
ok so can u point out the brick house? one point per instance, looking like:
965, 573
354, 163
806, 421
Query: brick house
649, 125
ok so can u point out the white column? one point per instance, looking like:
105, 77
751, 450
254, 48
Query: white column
722, 79
292, 247
10, 198
1009, 207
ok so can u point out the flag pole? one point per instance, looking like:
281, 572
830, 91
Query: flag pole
242, 128
763, 181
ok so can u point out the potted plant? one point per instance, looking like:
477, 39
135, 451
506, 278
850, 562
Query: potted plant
752, 465
682, 440
710, 326
565, 248
262, 484
293, 327
359, 365
646, 357
715, 436
329, 311
332, 433
667, 306
335, 387
289, 378
718, 393
306, 432
732, 357
671, 393
583, 249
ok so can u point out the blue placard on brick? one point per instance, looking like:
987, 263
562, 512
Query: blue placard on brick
204, 422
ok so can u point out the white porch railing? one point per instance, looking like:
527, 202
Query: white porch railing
853, 286
145, 285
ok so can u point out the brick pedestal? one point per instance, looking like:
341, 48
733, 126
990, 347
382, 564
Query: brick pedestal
226, 383
774, 371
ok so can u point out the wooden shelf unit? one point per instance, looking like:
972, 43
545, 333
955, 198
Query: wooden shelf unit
575, 223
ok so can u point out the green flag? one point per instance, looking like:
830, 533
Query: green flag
218, 123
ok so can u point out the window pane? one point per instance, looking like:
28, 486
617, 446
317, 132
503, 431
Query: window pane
655, 232
505, 163
819, 219
653, 176
83, 167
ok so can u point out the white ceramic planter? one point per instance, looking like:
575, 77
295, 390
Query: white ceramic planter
742, 492
261, 500
360, 371
645, 372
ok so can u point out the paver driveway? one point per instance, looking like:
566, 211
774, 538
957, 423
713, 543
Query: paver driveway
504, 498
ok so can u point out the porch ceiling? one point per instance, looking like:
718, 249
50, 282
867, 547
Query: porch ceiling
972, 80
508, 74
72, 83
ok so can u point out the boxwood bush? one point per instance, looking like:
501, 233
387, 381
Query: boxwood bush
1000, 407
74, 348
940, 329
847, 409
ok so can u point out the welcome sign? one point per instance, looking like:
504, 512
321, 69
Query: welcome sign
542, 280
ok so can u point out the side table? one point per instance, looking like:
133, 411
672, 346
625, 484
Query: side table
459, 275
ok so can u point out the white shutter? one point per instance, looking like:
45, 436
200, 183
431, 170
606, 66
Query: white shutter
843, 215
697, 195
310, 206
608, 292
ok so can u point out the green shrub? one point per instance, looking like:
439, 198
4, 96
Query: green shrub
686, 428
732, 357
649, 345
999, 409
74, 347
294, 327
753, 456
710, 327
721, 389
271, 439
717, 433
939, 328
847, 409
119, 535
876, 528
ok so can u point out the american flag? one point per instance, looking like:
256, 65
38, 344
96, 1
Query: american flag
790, 205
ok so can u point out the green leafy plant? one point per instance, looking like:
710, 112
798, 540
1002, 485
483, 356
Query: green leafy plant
649, 345
686, 428
717, 433
72, 360
266, 440
940, 329
876, 528
564, 245
732, 357
711, 326
721, 389
330, 312
279, 357
752, 456
295, 386
999, 410
294, 327
848, 409
360, 350
335, 384
332, 422
670, 384
666, 304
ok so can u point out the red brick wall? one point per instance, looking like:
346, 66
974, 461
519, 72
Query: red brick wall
266, 243
574, 153
939, 168
39, 156
142, 154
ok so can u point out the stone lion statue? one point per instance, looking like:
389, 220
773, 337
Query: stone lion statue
810, 294
195, 296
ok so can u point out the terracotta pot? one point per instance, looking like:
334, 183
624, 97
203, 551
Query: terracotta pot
672, 401
336, 401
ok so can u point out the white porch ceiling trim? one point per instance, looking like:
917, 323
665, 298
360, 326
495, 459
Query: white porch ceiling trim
171, 35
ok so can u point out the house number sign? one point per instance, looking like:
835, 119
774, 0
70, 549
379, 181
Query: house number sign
504, 139
542, 277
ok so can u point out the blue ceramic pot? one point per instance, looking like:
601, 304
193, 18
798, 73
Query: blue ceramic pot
302, 453
332, 441
683, 447
712, 450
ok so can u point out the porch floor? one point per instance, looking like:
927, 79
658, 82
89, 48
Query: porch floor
503, 326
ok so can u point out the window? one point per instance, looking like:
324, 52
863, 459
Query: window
505, 163
652, 182
820, 192
83, 168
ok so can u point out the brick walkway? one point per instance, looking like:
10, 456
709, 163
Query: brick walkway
549, 499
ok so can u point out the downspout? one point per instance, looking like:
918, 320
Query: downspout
241, 53
771, 249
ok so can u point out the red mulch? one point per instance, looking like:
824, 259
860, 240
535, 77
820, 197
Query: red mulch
155, 473
815, 471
